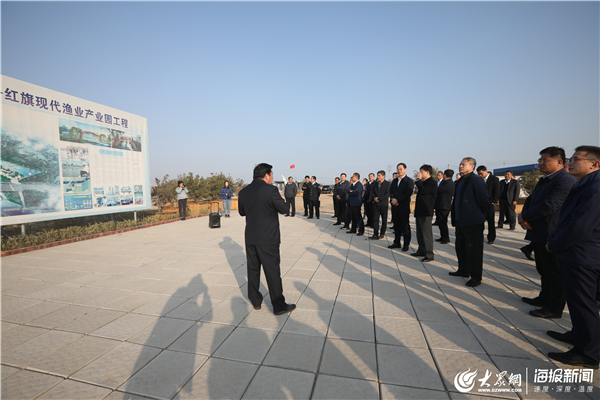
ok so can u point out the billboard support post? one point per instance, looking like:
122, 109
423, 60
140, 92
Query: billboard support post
23, 232
135, 216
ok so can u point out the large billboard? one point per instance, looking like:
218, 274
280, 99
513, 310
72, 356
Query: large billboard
65, 157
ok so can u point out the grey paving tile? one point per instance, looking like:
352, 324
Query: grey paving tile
505, 341
545, 343
452, 363
219, 379
402, 332
202, 338
300, 352
323, 287
69, 389
456, 337
27, 385
397, 307
393, 392
349, 358
307, 322
246, 344
407, 366
480, 315
352, 326
32, 312
74, 356
310, 301
118, 395
277, 383
8, 371
161, 305
29, 352
162, 333
116, 366
125, 326
165, 374
436, 311
354, 305
522, 320
90, 321
231, 311
18, 335
62, 316
11, 304
334, 387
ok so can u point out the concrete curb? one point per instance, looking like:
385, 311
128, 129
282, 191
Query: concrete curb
97, 235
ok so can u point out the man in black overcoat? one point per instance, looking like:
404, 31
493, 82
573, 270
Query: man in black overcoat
260, 202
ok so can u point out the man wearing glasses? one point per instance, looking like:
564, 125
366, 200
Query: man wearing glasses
539, 217
576, 244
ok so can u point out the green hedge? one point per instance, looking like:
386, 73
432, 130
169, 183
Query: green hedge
70, 232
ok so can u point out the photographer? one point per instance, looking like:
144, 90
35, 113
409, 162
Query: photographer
182, 192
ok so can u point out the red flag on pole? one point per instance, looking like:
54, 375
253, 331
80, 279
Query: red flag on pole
292, 166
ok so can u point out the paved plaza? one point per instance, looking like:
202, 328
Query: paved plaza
162, 313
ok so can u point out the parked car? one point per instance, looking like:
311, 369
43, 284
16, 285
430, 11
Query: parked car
125, 189
326, 189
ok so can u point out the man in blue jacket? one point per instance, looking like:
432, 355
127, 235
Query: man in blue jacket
469, 210
539, 218
355, 192
576, 244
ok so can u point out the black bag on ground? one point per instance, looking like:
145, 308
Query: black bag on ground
214, 218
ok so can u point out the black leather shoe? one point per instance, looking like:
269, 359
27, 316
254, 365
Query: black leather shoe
382, 236
534, 302
344, 227
287, 215
417, 254
473, 282
257, 307
545, 313
309, 218
359, 234
333, 216
566, 337
338, 223
394, 246
458, 273
439, 239
405, 248
444, 241
490, 242
426, 259
572, 358
374, 237
527, 252
288, 308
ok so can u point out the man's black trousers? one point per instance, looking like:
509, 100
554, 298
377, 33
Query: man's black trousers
469, 250
268, 257
441, 217
552, 293
380, 210
291, 201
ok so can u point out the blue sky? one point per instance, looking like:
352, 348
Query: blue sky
330, 87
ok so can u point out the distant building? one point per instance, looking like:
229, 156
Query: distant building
517, 171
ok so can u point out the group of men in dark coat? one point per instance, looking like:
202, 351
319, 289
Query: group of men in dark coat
311, 192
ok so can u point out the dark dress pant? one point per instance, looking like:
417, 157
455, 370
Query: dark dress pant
401, 220
380, 211
507, 214
491, 223
291, 201
441, 217
315, 205
341, 215
469, 250
335, 206
358, 225
268, 257
369, 213
306, 204
182, 208
580, 284
425, 236
348, 220
552, 293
